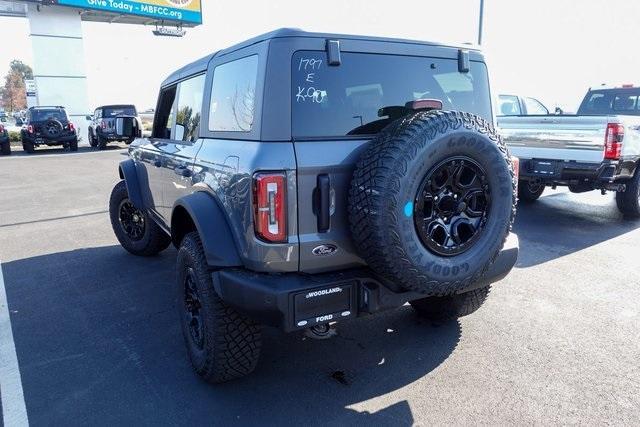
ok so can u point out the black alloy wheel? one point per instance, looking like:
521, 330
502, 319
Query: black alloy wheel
192, 310
131, 220
452, 206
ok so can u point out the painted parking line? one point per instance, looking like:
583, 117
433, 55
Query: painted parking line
14, 411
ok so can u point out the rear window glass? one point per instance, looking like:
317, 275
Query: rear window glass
118, 111
55, 114
611, 101
331, 101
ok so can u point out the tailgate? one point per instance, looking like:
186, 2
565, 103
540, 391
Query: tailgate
577, 138
325, 169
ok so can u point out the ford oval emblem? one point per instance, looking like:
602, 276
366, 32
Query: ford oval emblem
324, 250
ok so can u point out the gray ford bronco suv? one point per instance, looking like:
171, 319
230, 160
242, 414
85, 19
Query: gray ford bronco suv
312, 178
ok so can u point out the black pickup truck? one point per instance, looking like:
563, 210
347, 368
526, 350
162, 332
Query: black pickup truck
48, 126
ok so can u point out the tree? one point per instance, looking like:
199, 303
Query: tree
25, 71
13, 93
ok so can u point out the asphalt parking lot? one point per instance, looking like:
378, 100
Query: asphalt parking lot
98, 341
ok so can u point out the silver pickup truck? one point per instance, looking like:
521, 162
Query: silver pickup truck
596, 149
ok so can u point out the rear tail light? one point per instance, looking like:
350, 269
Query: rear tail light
71, 126
30, 128
103, 124
613, 141
515, 161
269, 196
1, 128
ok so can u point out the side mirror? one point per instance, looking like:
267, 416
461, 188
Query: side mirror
89, 117
559, 111
127, 127
179, 132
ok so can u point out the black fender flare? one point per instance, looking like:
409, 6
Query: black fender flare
212, 226
127, 171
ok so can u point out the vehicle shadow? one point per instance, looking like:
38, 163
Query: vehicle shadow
562, 223
98, 341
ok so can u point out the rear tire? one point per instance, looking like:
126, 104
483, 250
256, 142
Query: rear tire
628, 201
28, 147
73, 145
442, 309
5, 149
222, 344
528, 192
102, 143
135, 230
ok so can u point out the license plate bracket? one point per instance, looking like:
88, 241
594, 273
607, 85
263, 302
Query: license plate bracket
323, 305
544, 167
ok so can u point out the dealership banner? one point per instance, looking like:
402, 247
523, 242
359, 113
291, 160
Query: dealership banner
169, 10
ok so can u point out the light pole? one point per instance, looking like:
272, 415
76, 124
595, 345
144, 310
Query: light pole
480, 23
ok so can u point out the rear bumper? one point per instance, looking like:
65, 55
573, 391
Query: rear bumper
41, 140
294, 301
565, 171
110, 136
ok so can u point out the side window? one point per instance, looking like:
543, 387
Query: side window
97, 114
508, 105
164, 117
189, 108
233, 95
534, 107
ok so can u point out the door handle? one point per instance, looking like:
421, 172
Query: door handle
183, 171
157, 163
323, 203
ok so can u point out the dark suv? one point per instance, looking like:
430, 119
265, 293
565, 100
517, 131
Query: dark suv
102, 127
5, 144
48, 126
312, 178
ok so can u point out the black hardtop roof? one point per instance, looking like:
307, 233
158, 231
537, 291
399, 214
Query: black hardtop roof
200, 65
116, 106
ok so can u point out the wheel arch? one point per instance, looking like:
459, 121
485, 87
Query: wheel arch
127, 171
201, 212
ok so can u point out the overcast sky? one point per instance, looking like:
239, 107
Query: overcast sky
549, 49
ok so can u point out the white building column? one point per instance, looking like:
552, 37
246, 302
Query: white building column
58, 61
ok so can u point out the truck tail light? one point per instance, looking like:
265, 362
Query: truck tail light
269, 196
613, 141
30, 128
515, 161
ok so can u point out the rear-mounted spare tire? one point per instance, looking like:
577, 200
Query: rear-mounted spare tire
432, 201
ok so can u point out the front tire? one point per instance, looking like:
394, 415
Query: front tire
628, 201
222, 344
451, 307
92, 140
529, 192
133, 227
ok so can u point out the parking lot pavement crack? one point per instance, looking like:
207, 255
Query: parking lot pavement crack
59, 218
